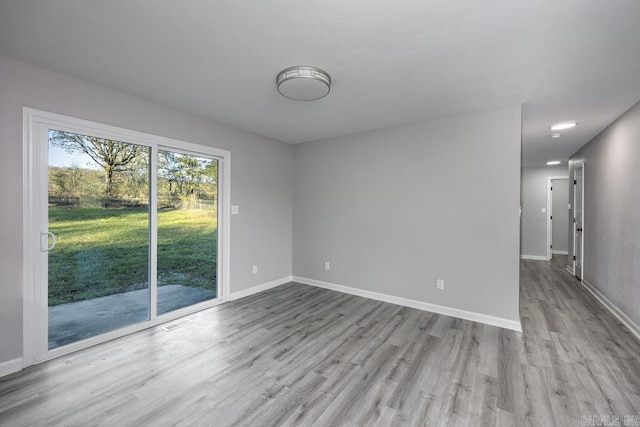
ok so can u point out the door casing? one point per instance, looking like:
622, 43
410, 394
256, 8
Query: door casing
550, 214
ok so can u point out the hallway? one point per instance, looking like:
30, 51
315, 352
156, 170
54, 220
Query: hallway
588, 361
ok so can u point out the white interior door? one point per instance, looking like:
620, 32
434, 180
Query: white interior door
559, 216
578, 197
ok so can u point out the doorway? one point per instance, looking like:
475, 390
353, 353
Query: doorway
558, 216
578, 220
125, 231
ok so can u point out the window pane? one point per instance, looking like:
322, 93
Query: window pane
98, 193
187, 230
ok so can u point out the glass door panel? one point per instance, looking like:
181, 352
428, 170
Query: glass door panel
98, 217
187, 230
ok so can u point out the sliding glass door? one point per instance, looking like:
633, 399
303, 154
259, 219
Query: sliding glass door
125, 232
98, 218
187, 229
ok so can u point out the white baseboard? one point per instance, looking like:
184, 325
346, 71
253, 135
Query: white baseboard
535, 257
259, 288
560, 252
420, 305
630, 324
10, 366
570, 270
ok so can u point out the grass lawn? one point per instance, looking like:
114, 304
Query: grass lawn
105, 251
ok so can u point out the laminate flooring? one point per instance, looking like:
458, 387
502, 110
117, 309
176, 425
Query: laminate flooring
299, 355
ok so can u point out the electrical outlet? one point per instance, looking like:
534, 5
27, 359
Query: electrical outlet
440, 284
327, 266
235, 209
255, 269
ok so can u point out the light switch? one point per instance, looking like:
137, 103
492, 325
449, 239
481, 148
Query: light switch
235, 209
544, 210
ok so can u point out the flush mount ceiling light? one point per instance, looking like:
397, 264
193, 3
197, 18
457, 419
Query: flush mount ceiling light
555, 135
303, 83
563, 125
554, 162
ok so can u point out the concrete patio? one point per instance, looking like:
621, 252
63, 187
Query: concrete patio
76, 321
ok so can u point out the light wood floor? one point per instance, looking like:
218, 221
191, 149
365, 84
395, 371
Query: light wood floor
298, 355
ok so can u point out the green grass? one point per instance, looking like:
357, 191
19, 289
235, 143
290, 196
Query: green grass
105, 251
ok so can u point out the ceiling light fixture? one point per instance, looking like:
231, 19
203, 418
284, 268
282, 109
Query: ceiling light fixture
303, 83
563, 125
554, 162
555, 135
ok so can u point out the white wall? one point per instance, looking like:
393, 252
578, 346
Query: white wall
261, 180
560, 201
533, 223
612, 212
393, 210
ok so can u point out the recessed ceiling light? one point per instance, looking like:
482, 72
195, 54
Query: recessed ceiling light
555, 135
563, 125
554, 162
303, 83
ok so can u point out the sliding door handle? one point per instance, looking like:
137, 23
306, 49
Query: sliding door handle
44, 241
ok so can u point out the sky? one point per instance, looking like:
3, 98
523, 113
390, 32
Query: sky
59, 157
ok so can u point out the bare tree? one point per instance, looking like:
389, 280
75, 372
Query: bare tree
112, 156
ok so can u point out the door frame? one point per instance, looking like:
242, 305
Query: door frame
578, 165
550, 213
34, 326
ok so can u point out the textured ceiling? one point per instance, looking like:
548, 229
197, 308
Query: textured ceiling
392, 63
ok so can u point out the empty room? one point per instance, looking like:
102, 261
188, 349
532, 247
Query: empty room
287, 213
